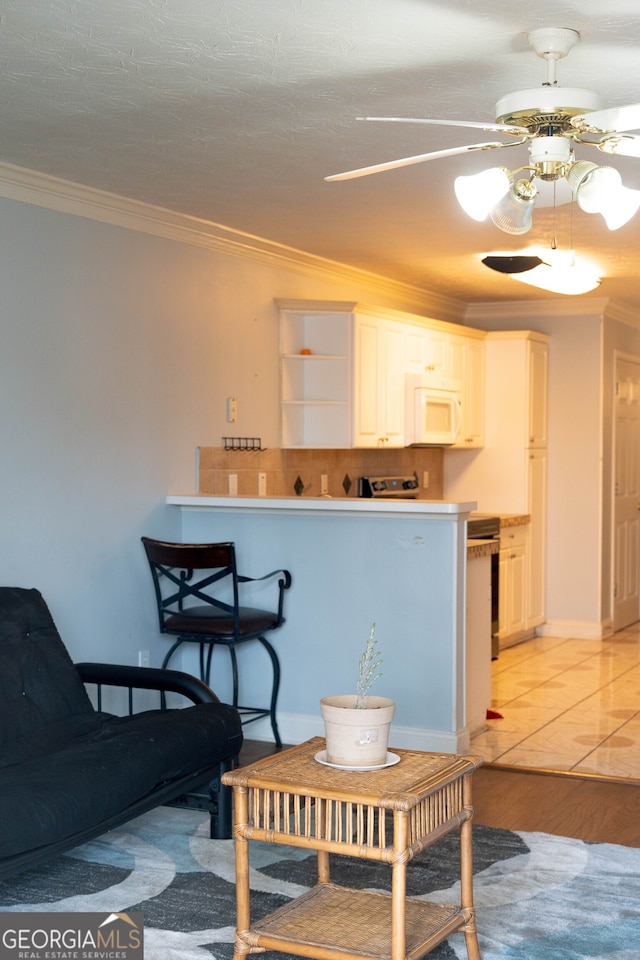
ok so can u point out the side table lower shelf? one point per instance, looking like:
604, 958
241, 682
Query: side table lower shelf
331, 920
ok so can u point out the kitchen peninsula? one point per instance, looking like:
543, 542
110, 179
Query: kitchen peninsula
400, 564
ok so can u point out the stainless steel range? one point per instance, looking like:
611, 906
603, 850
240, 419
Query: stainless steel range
482, 526
390, 488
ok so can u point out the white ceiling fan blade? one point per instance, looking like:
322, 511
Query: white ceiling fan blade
621, 145
421, 158
474, 125
609, 120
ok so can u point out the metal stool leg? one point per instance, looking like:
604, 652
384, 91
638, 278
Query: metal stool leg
171, 653
163, 696
206, 675
276, 686
234, 669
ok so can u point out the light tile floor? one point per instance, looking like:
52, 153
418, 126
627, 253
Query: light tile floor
567, 705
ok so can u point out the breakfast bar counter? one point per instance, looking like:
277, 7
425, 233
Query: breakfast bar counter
326, 506
399, 564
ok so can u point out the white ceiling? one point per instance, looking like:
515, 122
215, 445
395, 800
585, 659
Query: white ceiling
233, 111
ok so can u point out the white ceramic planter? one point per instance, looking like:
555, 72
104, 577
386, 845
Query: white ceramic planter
357, 737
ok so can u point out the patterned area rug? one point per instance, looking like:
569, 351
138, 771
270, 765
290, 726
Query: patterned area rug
538, 897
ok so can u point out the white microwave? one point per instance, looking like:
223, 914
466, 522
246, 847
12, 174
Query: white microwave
433, 414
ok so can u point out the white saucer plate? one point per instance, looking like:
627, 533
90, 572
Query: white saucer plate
392, 758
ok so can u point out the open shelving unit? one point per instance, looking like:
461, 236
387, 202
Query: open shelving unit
316, 385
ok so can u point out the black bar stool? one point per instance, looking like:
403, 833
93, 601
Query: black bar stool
185, 577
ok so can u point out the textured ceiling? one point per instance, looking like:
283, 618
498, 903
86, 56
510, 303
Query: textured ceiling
235, 111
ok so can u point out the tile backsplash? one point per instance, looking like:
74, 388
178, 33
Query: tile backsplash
292, 473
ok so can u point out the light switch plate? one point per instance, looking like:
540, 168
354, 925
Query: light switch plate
232, 409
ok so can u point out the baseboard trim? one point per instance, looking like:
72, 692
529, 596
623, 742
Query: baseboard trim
576, 629
296, 728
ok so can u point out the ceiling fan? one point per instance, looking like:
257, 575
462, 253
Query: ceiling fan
550, 120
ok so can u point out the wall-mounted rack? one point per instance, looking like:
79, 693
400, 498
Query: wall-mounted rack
242, 443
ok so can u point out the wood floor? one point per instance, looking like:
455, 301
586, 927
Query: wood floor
599, 809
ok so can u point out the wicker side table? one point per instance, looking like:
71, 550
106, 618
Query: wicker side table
387, 815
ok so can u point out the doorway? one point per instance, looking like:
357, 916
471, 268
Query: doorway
626, 596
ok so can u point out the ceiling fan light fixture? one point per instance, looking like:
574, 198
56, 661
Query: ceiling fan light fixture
595, 189
478, 193
621, 207
600, 190
513, 213
551, 157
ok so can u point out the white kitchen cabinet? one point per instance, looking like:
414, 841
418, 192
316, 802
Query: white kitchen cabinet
315, 378
438, 353
473, 386
517, 369
508, 475
379, 383
513, 584
343, 367
537, 401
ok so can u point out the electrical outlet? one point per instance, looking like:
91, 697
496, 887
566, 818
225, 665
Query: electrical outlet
425, 479
324, 485
233, 484
143, 658
262, 484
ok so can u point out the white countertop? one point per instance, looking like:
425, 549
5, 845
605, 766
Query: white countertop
346, 506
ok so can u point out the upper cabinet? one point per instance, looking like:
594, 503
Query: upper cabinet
379, 361
516, 372
472, 359
537, 399
343, 368
315, 378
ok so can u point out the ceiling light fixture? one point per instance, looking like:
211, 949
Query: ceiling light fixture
600, 190
550, 120
511, 263
557, 271
596, 189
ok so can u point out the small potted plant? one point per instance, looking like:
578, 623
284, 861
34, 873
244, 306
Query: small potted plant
357, 724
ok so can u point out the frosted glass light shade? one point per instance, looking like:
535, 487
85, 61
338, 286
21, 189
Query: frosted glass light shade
478, 193
600, 190
594, 190
620, 206
513, 213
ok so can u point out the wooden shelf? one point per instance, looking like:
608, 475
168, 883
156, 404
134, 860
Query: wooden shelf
360, 924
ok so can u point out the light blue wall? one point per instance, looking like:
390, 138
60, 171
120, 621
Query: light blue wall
117, 351
404, 573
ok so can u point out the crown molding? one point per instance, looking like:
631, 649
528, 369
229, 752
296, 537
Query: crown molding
530, 309
64, 196
623, 313
602, 307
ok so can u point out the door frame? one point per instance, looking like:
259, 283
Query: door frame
619, 357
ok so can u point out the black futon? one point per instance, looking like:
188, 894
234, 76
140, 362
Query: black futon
69, 772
